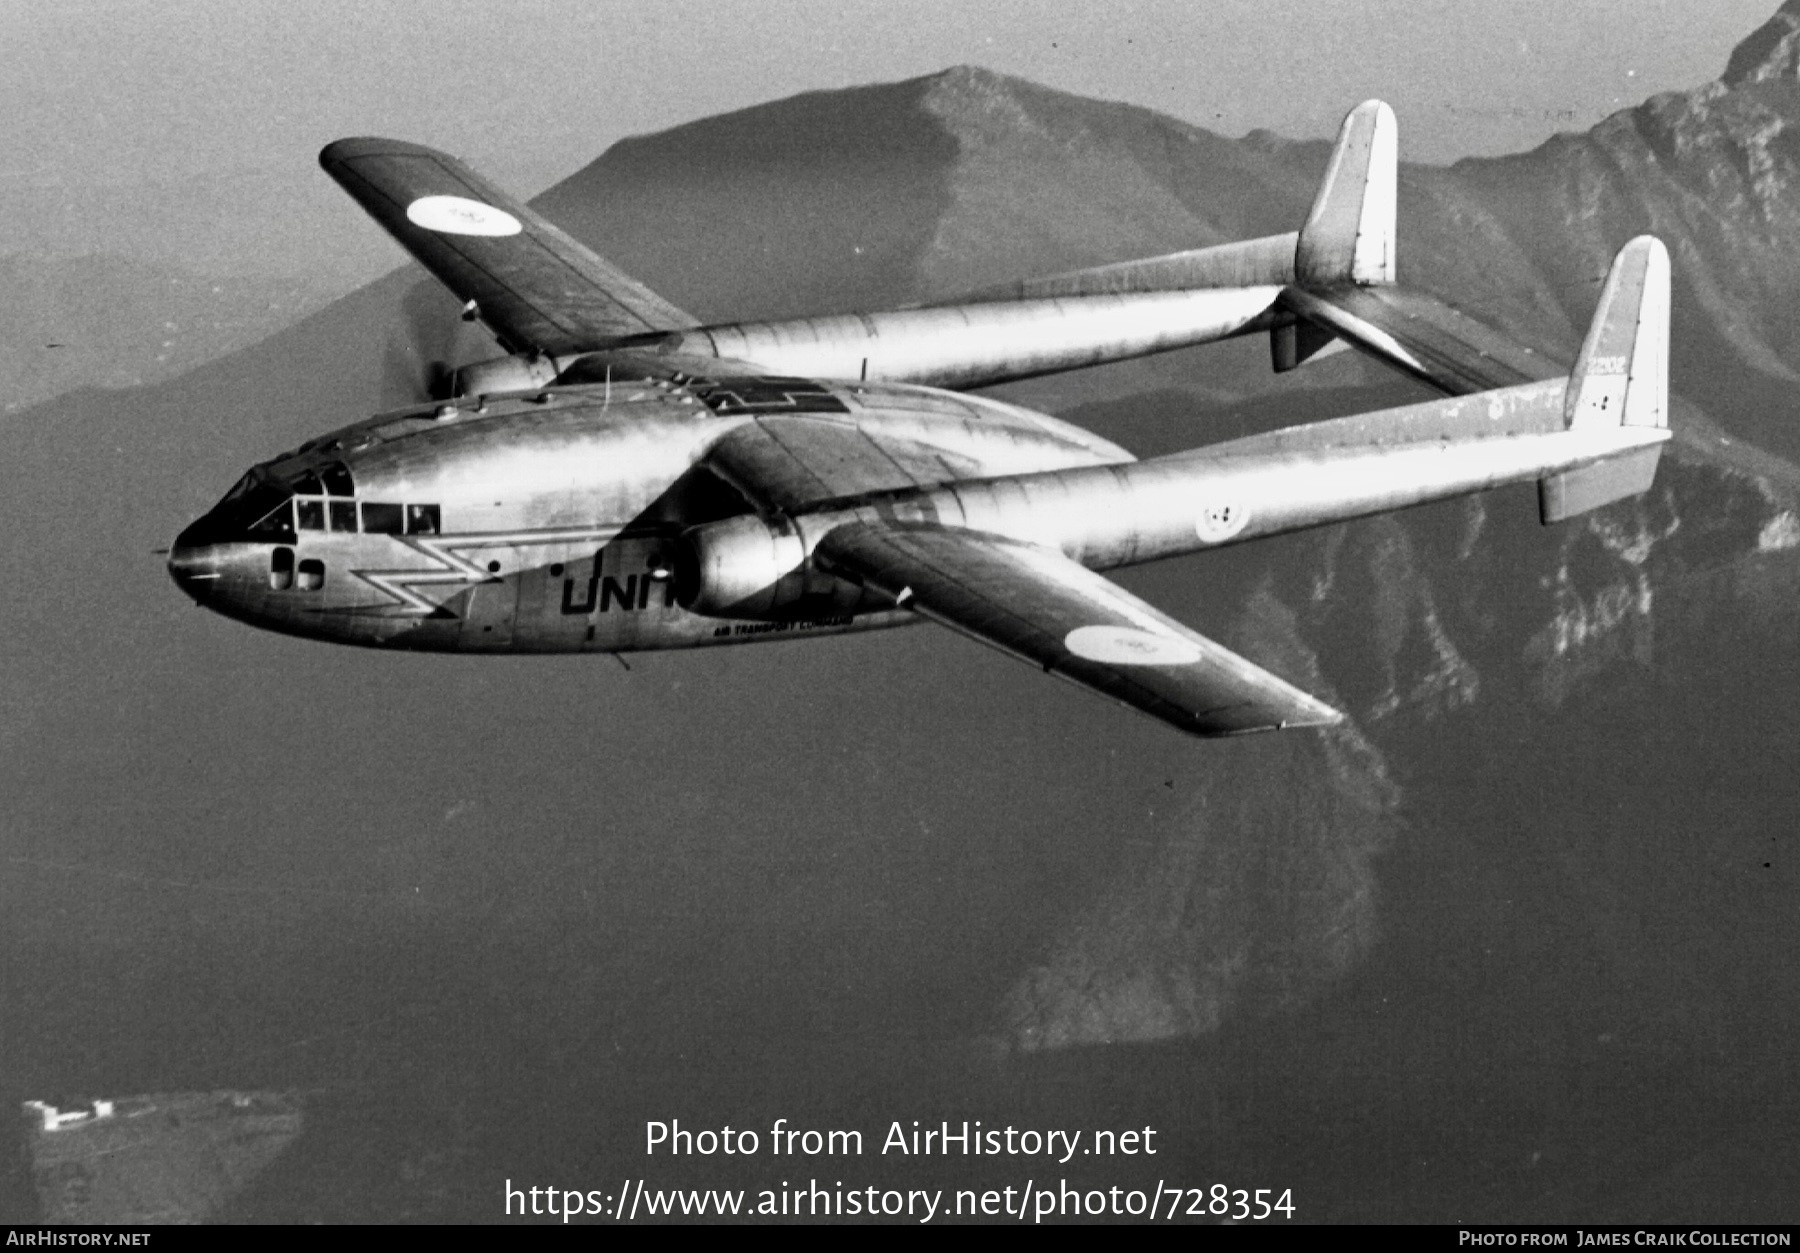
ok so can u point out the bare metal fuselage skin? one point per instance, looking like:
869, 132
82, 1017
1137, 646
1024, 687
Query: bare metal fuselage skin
595, 518
628, 479
554, 522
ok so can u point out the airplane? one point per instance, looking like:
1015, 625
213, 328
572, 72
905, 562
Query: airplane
626, 479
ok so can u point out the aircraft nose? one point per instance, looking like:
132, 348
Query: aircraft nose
194, 569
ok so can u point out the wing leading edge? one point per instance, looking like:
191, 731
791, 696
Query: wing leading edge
1328, 285
1041, 607
534, 285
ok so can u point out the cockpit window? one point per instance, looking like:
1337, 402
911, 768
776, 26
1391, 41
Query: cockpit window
422, 520
265, 508
379, 519
278, 524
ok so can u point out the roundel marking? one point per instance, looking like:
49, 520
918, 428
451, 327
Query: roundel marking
458, 215
1128, 646
1221, 520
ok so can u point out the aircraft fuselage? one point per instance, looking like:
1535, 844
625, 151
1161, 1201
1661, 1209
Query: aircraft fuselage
624, 516
553, 522
627, 478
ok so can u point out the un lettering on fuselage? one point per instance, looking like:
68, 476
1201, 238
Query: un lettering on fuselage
604, 592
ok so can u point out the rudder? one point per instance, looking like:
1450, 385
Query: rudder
1621, 379
1349, 234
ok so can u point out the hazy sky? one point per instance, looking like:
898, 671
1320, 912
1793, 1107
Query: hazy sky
159, 95
497, 912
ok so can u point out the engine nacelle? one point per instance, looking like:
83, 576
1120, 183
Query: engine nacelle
746, 567
519, 373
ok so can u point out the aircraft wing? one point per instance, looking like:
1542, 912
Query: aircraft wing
1045, 609
534, 285
1422, 336
785, 464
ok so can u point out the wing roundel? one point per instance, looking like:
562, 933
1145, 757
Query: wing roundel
1041, 607
532, 283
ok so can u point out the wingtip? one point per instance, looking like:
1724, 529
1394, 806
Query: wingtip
1313, 716
354, 146
1319, 720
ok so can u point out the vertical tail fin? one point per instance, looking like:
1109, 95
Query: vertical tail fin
1349, 235
1348, 238
1621, 379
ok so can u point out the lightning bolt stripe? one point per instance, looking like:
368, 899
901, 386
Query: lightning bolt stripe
454, 570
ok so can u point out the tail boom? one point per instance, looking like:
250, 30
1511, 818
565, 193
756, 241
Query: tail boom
1105, 313
1588, 439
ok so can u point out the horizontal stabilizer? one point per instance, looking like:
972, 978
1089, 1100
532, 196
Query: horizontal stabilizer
1039, 606
1422, 336
1574, 492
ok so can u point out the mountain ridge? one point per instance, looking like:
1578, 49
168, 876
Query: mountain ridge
1546, 869
105, 320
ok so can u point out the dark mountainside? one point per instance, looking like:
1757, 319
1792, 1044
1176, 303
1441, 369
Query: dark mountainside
106, 321
1518, 944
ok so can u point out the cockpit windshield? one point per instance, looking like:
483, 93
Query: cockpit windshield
269, 509
240, 487
257, 505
